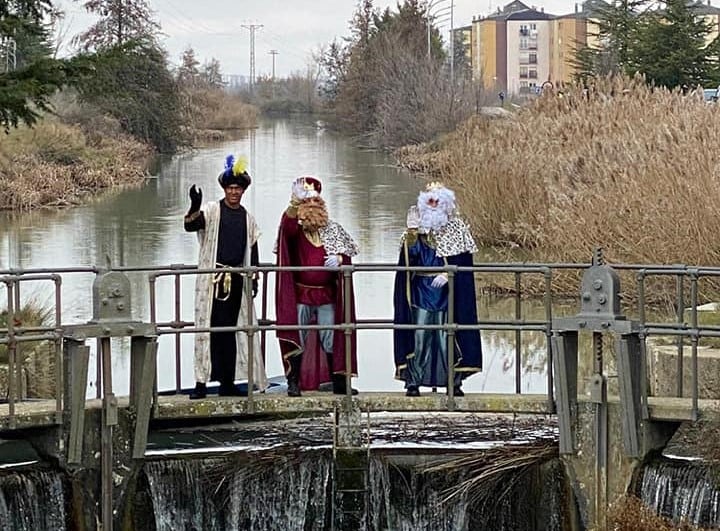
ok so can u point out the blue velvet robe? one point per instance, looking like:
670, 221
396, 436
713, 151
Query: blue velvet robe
468, 348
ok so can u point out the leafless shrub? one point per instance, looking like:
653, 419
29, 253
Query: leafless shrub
54, 164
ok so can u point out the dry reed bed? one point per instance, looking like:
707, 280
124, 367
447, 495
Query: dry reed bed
55, 164
628, 168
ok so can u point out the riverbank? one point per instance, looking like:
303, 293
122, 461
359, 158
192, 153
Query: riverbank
57, 165
628, 168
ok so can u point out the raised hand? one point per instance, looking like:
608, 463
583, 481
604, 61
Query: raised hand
195, 199
439, 281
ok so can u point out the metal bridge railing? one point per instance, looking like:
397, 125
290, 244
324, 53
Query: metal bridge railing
13, 335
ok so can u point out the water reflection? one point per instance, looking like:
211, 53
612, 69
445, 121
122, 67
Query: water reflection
364, 190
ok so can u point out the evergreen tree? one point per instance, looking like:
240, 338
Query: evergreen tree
133, 84
671, 49
34, 75
614, 39
121, 21
188, 72
212, 74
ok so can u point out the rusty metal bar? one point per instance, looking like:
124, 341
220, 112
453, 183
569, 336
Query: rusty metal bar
263, 314
645, 410
679, 312
59, 383
451, 341
250, 333
178, 362
547, 300
518, 334
106, 437
348, 331
694, 341
9, 283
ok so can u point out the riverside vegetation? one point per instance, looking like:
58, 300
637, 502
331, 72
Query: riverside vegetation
81, 150
631, 168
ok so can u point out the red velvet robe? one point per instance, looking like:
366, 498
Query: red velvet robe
314, 365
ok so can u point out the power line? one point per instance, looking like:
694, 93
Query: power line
252, 28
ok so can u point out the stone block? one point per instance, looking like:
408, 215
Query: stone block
663, 364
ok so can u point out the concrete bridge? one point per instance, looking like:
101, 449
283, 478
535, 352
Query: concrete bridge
619, 400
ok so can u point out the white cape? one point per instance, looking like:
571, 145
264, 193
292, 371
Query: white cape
208, 239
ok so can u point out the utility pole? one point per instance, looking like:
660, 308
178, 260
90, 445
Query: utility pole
272, 82
452, 45
252, 28
273, 53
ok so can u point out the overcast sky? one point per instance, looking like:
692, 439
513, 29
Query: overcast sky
295, 28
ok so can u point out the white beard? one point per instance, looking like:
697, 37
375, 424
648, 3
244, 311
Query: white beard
432, 218
435, 218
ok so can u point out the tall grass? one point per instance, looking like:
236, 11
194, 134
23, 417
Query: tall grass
56, 164
632, 169
38, 357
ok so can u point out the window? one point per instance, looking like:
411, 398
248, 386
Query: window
532, 73
523, 43
532, 58
523, 72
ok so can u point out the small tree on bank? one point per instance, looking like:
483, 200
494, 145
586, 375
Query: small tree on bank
121, 21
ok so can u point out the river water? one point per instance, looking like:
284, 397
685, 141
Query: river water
364, 190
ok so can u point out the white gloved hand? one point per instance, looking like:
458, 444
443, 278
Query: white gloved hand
439, 281
332, 260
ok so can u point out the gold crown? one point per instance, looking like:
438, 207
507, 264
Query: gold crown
434, 185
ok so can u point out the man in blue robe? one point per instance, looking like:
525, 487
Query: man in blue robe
436, 236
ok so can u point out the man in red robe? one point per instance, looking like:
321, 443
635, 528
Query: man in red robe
307, 238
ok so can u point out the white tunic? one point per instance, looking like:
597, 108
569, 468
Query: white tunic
208, 239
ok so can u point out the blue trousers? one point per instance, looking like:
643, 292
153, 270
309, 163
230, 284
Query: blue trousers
325, 315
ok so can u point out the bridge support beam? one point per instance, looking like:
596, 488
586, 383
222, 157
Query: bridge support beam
77, 356
351, 462
143, 363
565, 351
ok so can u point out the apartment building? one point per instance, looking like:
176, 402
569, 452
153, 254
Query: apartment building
511, 48
519, 48
711, 16
570, 33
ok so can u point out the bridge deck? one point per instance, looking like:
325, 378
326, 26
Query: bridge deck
39, 413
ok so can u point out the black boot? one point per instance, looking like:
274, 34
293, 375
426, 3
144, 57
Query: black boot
199, 392
340, 386
293, 376
412, 390
228, 388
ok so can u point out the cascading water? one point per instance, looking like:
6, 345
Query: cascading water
223, 493
404, 499
295, 493
682, 491
31, 501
